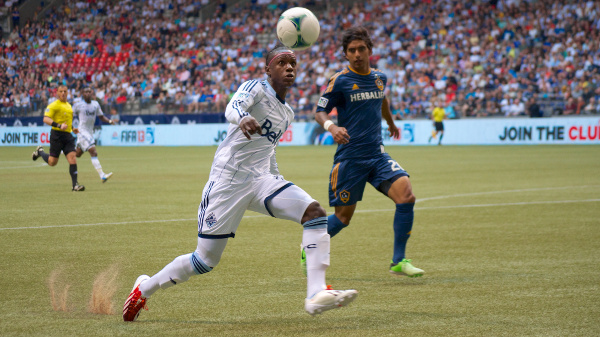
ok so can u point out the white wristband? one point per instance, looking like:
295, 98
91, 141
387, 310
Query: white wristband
328, 123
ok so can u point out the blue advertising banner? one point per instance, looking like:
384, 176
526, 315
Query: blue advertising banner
488, 131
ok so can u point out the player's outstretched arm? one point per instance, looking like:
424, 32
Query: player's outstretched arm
387, 115
106, 120
340, 134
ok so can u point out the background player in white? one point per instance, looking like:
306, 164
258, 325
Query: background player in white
86, 111
244, 175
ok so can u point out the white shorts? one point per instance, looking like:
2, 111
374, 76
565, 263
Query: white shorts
223, 205
85, 141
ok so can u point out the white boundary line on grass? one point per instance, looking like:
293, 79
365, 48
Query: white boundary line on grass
28, 166
369, 210
506, 191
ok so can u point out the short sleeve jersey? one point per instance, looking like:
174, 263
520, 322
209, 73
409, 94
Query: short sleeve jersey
60, 112
87, 113
358, 99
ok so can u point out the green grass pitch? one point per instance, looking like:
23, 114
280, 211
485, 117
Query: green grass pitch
509, 238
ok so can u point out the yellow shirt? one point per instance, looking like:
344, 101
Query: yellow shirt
438, 114
60, 112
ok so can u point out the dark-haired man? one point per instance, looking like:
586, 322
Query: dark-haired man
244, 176
358, 94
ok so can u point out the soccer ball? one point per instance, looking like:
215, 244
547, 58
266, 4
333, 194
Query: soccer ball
298, 28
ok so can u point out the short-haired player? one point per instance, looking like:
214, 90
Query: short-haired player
86, 110
244, 176
358, 94
59, 115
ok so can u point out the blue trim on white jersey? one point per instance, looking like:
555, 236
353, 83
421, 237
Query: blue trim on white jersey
267, 199
236, 107
253, 85
248, 84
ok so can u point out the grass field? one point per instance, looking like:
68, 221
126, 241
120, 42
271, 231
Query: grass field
509, 238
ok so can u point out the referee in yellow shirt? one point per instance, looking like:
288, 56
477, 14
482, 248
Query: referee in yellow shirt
438, 115
59, 115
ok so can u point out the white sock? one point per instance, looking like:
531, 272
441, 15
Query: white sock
316, 247
98, 167
178, 271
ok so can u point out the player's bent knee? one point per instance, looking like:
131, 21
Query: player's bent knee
200, 265
313, 211
208, 254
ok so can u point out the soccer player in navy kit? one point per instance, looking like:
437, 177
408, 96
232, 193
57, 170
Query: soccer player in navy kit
358, 94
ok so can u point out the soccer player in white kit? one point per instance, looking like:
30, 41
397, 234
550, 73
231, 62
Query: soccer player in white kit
86, 110
244, 175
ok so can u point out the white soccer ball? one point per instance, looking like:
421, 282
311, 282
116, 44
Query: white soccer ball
298, 28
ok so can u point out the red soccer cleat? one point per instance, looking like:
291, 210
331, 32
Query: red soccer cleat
135, 302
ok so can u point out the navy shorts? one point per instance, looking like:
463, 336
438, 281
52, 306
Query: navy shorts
348, 178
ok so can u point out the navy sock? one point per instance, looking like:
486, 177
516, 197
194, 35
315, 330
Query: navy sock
334, 225
403, 222
73, 172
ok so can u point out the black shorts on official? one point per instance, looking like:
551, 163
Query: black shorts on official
439, 126
61, 141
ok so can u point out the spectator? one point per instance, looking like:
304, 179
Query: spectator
591, 107
570, 107
16, 17
114, 116
533, 108
120, 101
438, 51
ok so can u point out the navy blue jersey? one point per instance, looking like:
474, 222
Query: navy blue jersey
358, 99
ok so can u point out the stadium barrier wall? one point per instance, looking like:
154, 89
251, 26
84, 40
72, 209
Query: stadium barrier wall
501, 131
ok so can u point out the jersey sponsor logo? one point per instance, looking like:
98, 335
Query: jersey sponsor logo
271, 135
355, 87
362, 96
344, 196
210, 220
323, 102
378, 82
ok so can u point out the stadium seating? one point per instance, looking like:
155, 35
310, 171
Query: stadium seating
430, 51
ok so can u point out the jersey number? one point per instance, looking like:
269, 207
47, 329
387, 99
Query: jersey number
395, 165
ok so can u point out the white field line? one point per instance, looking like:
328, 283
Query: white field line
28, 166
368, 210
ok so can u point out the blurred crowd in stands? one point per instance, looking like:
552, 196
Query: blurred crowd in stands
475, 58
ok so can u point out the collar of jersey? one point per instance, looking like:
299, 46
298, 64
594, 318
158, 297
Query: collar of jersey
272, 91
356, 72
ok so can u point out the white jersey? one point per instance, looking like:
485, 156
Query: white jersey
86, 113
237, 159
